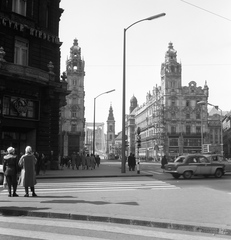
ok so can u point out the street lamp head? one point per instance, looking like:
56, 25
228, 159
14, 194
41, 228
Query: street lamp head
110, 91
156, 16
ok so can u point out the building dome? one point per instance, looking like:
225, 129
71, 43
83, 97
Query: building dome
133, 99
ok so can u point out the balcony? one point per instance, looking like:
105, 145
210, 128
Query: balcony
24, 72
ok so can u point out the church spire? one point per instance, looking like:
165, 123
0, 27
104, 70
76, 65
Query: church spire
111, 115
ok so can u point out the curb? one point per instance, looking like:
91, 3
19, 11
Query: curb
126, 221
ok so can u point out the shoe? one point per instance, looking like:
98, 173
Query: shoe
15, 195
26, 195
9, 195
34, 195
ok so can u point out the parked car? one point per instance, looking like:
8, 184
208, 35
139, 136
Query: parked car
193, 165
179, 159
217, 158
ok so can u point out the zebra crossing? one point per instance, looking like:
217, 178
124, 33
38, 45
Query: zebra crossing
99, 186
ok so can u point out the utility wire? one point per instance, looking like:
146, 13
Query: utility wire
206, 10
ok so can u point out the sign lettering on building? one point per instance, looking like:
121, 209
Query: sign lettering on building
6, 22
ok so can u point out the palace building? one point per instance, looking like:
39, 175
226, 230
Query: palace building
170, 120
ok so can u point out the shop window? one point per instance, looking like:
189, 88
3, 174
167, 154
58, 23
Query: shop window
21, 49
19, 6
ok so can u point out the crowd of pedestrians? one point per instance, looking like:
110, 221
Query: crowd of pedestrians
80, 161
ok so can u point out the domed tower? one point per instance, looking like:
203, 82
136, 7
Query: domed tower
170, 72
110, 132
133, 104
73, 120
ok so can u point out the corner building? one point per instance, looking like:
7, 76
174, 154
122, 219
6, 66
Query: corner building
31, 90
171, 121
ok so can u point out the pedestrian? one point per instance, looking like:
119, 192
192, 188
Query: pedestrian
97, 159
44, 163
83, 160
28, 175
10, 169
88, 161
133, 163
164, 161
130, 162
38, 163
92, 161
73, 160
77, 161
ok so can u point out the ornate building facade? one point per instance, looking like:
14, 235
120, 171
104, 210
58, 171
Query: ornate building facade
171, 121
72, 121
31, 90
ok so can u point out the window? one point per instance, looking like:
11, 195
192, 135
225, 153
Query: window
198, 116
173, 115
173, 130
187, 115
188, 129
187, 103
21, 52
19, 6
73, 114
198, 130
173, 142
73, 128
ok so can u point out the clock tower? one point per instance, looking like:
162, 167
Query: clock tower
110, 133
72, 115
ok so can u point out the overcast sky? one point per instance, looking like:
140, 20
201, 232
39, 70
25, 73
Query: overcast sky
199, 30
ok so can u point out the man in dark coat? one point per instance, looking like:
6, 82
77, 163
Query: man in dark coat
164, 161
131, 162
10, 169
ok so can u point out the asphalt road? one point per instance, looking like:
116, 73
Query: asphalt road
221, 184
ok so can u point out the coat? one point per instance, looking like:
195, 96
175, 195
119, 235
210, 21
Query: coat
10, 165
28, 175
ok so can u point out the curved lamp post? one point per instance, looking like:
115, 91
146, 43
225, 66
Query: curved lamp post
206, 103
94, 118
124, 87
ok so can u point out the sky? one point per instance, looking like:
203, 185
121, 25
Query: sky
199, 30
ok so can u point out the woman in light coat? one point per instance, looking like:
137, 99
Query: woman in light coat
28, 175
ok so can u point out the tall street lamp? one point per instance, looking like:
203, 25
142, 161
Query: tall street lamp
94, 118
221, 141
124, 87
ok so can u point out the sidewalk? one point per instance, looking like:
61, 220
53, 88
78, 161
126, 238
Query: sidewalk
107, 168
197, 210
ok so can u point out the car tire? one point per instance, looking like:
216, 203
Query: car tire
1, 178
176, 175
218, 173
187, 174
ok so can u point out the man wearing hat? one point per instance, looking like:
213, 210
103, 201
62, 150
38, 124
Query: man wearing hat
10, 169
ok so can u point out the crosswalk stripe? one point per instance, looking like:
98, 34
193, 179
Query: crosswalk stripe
79, 187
